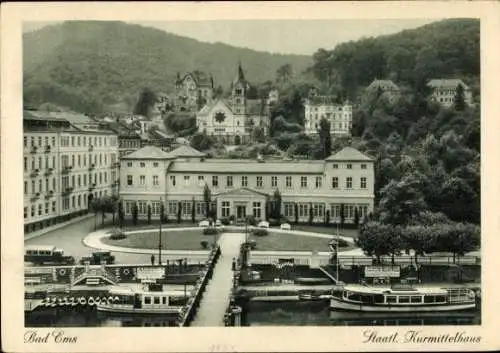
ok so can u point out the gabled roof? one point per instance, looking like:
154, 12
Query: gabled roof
383, 83
249, 166
200, 78
42, 116
349, 154
447, 83
242, 191
148, 152
185, 151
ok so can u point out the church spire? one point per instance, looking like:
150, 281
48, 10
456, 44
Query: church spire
241, 75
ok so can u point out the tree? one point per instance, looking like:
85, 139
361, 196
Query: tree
342, 215
258, 134
219, 92
179, 212
327, 217
401, 201
377, 239
207, 199
135, 213
162, 212
149, 214
147, 100
284, 73
457, 238
193, 211
459, 102
121, 214
104, 204
356, 217
277, 204
418, 238
310, 213
296, 212
325, 138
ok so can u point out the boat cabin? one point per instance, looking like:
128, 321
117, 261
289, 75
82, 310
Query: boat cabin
410, 296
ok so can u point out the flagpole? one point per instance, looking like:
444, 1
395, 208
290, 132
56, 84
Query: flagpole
159, 239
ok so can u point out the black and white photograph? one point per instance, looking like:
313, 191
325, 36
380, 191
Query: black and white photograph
232, 173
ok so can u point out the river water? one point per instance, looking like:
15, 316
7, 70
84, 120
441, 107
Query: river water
258, 314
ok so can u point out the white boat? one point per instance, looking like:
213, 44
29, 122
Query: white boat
128, 301
402, 299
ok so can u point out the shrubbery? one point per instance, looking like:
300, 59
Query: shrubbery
343, 243
224, 221
117, 235
260, 232
204, 244
210, 231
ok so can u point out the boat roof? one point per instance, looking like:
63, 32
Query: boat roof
388, 290
40, 247
130, 291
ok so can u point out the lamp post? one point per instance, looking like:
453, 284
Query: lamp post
337, 255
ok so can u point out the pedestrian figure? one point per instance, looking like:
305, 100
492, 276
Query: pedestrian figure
152, 259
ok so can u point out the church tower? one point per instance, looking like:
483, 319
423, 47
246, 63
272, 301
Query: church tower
239, 92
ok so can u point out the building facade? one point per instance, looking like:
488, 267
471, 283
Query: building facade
232, 120
193, 91
240, 188
68, 160
445, 90
338, 115
387, 88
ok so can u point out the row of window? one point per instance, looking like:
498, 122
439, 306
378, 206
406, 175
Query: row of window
331, 108
142, 180
259, 181
144, 164
319, 209
333, 127
76, 161
75, 181
67, 141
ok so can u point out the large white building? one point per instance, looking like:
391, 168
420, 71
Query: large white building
445, 90
68, 161
242, 187
338, 115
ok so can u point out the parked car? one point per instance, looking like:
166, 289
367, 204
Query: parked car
46, 254
285, 226
98, 257
263, 224
204, 224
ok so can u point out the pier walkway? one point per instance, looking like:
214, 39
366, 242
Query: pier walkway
214, 302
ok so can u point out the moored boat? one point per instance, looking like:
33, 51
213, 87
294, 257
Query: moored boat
402, 299
128, 301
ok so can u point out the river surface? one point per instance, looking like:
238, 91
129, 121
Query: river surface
258, 314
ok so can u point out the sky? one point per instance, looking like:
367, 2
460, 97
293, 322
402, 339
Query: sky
277, 36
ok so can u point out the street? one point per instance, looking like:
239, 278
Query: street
70, 239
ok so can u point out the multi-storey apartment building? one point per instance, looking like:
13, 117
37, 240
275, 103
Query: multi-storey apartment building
445, 90
338, 115
242, 187
387, 88
68, 161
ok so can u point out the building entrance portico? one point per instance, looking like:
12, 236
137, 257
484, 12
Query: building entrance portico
241, 203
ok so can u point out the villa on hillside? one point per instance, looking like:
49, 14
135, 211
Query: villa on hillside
339, 115
388, 89
242, 187
193, 91
444, 91
232, 120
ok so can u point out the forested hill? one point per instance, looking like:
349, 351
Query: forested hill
95, 66
447, 48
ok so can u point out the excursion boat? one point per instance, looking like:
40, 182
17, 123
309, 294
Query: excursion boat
402, 299
151, 301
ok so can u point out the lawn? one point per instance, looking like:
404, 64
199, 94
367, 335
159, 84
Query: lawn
171, 240
292, 242
351, 233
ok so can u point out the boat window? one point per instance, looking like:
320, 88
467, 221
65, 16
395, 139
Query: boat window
404, 299
337, 294
147, 300
164, 300
366, 299
157, 300
416, 299
440, 299
428, 299
354, 297
379, 299
390, 299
